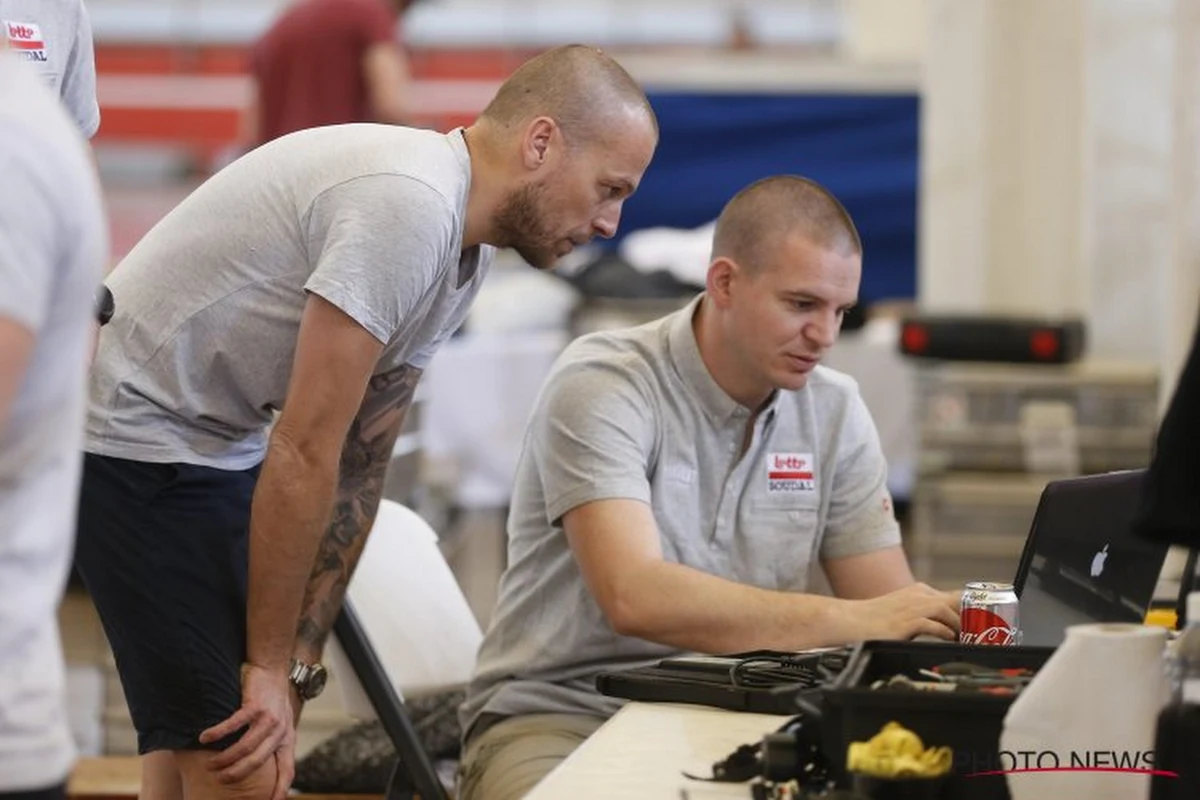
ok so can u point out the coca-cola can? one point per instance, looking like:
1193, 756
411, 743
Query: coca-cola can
988, 614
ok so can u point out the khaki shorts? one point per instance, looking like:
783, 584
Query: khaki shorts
508, 759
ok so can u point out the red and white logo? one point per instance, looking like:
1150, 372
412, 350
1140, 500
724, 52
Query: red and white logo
980, 626
790, 472
25, 38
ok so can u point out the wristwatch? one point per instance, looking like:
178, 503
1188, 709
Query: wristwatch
309, 679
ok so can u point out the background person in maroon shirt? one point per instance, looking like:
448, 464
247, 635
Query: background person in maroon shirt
325, 62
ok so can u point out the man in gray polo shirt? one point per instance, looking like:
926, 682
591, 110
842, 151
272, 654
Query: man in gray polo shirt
679, 482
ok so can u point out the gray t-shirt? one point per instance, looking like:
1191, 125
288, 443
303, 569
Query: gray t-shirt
198, 356
635, 414
55, 37
52, 247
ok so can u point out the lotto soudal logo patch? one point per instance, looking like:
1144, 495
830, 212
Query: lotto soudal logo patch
25, 39
790, 472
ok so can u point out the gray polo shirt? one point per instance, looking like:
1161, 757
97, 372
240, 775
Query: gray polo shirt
635, 414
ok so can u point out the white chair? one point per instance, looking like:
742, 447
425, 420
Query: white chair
405, 629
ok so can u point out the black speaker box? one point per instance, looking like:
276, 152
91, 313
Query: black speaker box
1004, 339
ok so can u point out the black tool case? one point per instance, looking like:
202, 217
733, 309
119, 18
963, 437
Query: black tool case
967, 722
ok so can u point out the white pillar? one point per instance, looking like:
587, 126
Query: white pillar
1001, 167
1182, 286
1059, 166
1129, 207
884, 31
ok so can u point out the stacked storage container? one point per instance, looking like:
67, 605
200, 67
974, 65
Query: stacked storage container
992, 436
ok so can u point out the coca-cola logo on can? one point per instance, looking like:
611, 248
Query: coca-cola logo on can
989, 614
997, 634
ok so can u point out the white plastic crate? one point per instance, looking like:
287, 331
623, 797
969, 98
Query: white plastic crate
1076, 418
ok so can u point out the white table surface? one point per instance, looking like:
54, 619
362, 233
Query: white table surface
644, 749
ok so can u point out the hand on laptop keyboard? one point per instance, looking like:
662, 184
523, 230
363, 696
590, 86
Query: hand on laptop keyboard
916, 610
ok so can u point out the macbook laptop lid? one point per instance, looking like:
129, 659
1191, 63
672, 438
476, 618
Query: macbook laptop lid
1082, 563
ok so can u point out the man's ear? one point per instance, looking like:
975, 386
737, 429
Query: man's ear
535, 147
718, 285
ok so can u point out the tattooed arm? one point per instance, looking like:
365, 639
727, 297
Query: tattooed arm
296, 490
365, 458
289, 516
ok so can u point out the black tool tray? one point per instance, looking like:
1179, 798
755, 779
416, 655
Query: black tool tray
967, 722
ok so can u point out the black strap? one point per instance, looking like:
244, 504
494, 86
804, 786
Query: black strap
792, 753
105, 305
743, 763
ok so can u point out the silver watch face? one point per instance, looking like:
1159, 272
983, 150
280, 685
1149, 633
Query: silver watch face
315, 684
309, 679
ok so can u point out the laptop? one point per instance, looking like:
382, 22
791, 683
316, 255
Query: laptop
1082, 562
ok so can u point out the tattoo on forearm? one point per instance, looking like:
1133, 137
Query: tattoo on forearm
365, 457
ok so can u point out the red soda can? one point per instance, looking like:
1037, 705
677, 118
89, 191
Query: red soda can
988, 614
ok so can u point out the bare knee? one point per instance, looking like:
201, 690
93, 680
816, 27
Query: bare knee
160, 777
201, 783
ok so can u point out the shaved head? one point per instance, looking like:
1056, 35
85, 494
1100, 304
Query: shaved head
554, 156
577, 86
759, 217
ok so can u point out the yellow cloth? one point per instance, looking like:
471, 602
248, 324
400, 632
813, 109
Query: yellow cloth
896, 752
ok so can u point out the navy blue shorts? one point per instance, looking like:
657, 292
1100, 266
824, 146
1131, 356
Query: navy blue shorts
53, 793
163, 551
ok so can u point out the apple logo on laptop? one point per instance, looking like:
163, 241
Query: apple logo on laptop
1098, 562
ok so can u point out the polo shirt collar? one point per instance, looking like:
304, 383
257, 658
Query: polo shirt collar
685, 356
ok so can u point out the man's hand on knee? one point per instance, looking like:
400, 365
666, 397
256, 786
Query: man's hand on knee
268, 716
199, 780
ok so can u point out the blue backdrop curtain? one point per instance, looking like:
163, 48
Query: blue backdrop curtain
863, 147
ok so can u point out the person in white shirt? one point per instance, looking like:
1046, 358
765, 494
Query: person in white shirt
52, 249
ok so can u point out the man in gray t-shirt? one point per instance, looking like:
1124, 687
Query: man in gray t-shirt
55, 38
246, 397
52, 244
679, 482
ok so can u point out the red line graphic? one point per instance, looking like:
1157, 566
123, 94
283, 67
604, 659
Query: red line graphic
789, 476
26, 44
1162, 772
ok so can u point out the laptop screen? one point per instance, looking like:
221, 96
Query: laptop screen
1082, 563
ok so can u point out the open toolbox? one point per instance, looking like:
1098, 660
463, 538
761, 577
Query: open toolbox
969, 722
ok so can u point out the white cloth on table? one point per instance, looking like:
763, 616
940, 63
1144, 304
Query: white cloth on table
682, 252
480, 389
